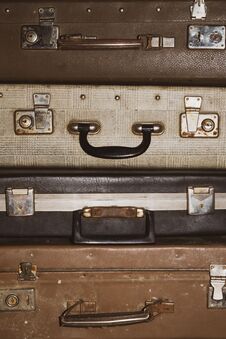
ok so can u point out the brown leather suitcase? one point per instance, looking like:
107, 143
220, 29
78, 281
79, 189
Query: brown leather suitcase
117, 292
116, 42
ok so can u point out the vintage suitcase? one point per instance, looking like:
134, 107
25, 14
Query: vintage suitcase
139, 127
164, 291
110, 207
123, 42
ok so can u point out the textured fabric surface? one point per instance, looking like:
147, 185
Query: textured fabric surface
136, 104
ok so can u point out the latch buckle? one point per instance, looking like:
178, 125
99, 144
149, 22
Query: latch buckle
195, 124
201, 200
20, 202
38, 121
44, 35
27, 271
199, 10
217, 289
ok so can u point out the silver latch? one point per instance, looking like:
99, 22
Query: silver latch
199, 10
37, 121
195, 124
44, 35
20, 202
201, 200
217, 290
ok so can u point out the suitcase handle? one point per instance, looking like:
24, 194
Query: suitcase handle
151, 309
78, 41
105, 221
115, 152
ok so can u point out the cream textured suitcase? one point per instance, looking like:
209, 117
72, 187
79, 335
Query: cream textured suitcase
82, 126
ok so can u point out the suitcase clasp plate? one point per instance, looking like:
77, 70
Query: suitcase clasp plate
199, 10
194, 124
217, 289
201, 200
20, 202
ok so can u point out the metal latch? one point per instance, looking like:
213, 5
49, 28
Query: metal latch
17, 299
217, 289
37, 121
201, 200
198, 10
195, 124
206, 37
20, 202
44, 35
27, 271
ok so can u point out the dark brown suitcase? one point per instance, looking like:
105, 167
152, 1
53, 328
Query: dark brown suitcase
169, 292
117, 42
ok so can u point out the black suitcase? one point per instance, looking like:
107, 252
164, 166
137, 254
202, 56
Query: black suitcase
111, 207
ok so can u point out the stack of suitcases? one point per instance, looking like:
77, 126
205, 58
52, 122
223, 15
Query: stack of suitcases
112, 169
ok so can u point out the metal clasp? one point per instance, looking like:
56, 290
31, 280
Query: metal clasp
217, 290
201, 200
113, 212
27, 271
38, 121
199, 10
20, 202
44, 35
195, 124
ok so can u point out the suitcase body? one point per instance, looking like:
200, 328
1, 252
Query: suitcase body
111, 280
110, 207
112, 127
129, 42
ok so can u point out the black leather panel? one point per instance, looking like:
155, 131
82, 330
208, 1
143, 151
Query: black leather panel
72, 181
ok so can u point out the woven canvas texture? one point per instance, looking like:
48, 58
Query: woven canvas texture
135, 104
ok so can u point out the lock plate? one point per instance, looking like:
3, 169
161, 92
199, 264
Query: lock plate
217, 288
194, 124
37, 121
12, 300
19, 202
201, 200
44, 35
206, 37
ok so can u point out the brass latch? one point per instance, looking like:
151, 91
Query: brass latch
112, 212
217, 289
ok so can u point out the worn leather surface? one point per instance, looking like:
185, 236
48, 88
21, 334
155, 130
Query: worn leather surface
72, 181
165, 66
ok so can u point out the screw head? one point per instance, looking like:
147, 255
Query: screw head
82, 97
117, 97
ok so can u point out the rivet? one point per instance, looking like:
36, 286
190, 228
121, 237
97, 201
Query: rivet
158, 9
117, 97
82, 97
88, 10
157, 97
7, 10
1, 95
121, 10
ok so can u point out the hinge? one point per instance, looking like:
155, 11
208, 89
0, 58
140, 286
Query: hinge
19, 202
217, 289
27, 271
37, 121
195, 124
201, 200
199, 10
44, 35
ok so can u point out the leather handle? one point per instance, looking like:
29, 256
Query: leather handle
113, 225
147, 313
113, 152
